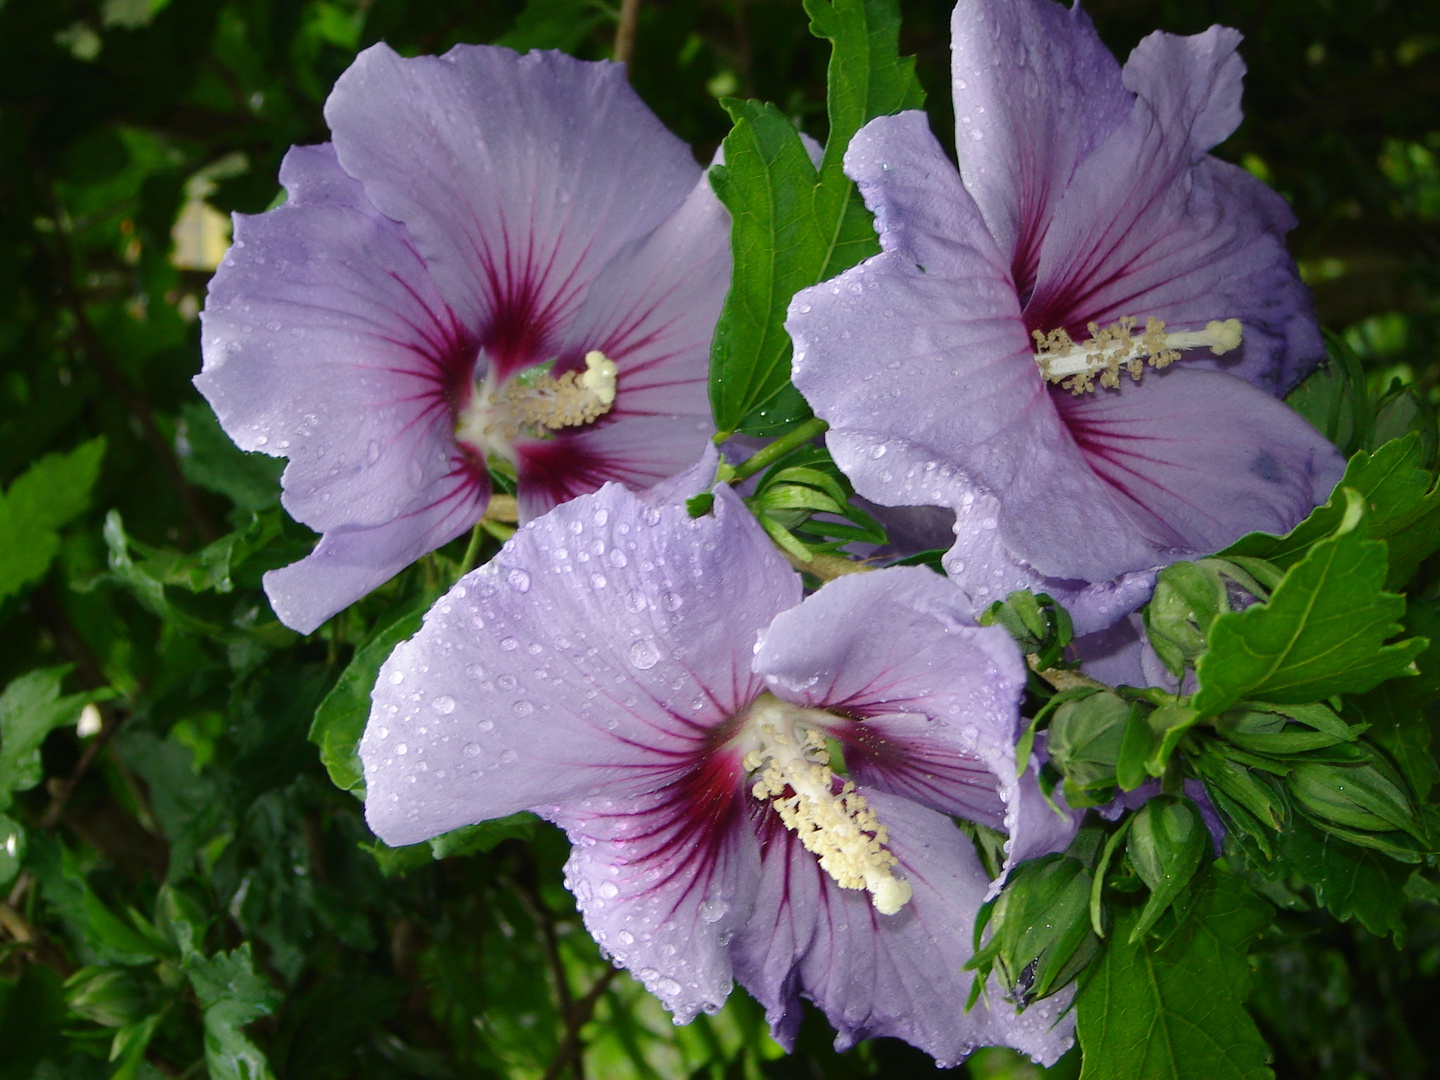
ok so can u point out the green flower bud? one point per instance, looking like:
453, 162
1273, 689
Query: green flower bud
1085, 737
1188, 596
111, 997
1041, 937
1365, 796
1038, 624
1166, 843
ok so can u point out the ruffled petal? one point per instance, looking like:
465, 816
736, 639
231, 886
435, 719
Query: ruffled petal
933, 698
519, 178
987, 571
601, 650
636, 451
326, 342
1199, 458
653, 309
664, 879
942, 397
1035, 92
1152, 227
350, 561
899, 975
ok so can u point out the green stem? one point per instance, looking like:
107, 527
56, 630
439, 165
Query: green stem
768, 455
472, 548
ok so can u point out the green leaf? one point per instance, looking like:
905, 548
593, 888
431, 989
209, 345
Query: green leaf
1350, 882
210, 460
794, 224
232, 995
1335, 398
1137, 747
554, 24
30, 708
101, 935
1177, 1012
1321, 633
32, 1021
467, 840
340, 718
45, 497
483, 836
1402, 500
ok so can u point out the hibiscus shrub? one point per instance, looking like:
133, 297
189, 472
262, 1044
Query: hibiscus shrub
870, 557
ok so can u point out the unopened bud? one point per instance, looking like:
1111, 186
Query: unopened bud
111, 997
1166, 842
1041, 937
1363, 796
1084, 741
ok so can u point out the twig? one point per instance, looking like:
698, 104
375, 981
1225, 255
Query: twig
545, 920
768, 455
625, 32
503, 508
823, 566
61, 790
580, 1015
14, 924
1061, 679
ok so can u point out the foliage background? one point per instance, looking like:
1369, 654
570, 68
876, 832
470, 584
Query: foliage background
185, 888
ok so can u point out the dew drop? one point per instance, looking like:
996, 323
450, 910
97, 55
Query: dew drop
471, 749
712, 911
644, 655
519, 580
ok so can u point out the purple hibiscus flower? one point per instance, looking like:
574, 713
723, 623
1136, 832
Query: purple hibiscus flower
655, 685
500, 260
1091, 239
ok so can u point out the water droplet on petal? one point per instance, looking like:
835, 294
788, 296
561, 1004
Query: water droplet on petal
644, 655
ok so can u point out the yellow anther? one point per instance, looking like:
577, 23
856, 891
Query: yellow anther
1118, 345
790, 770
536, 404
599, 377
